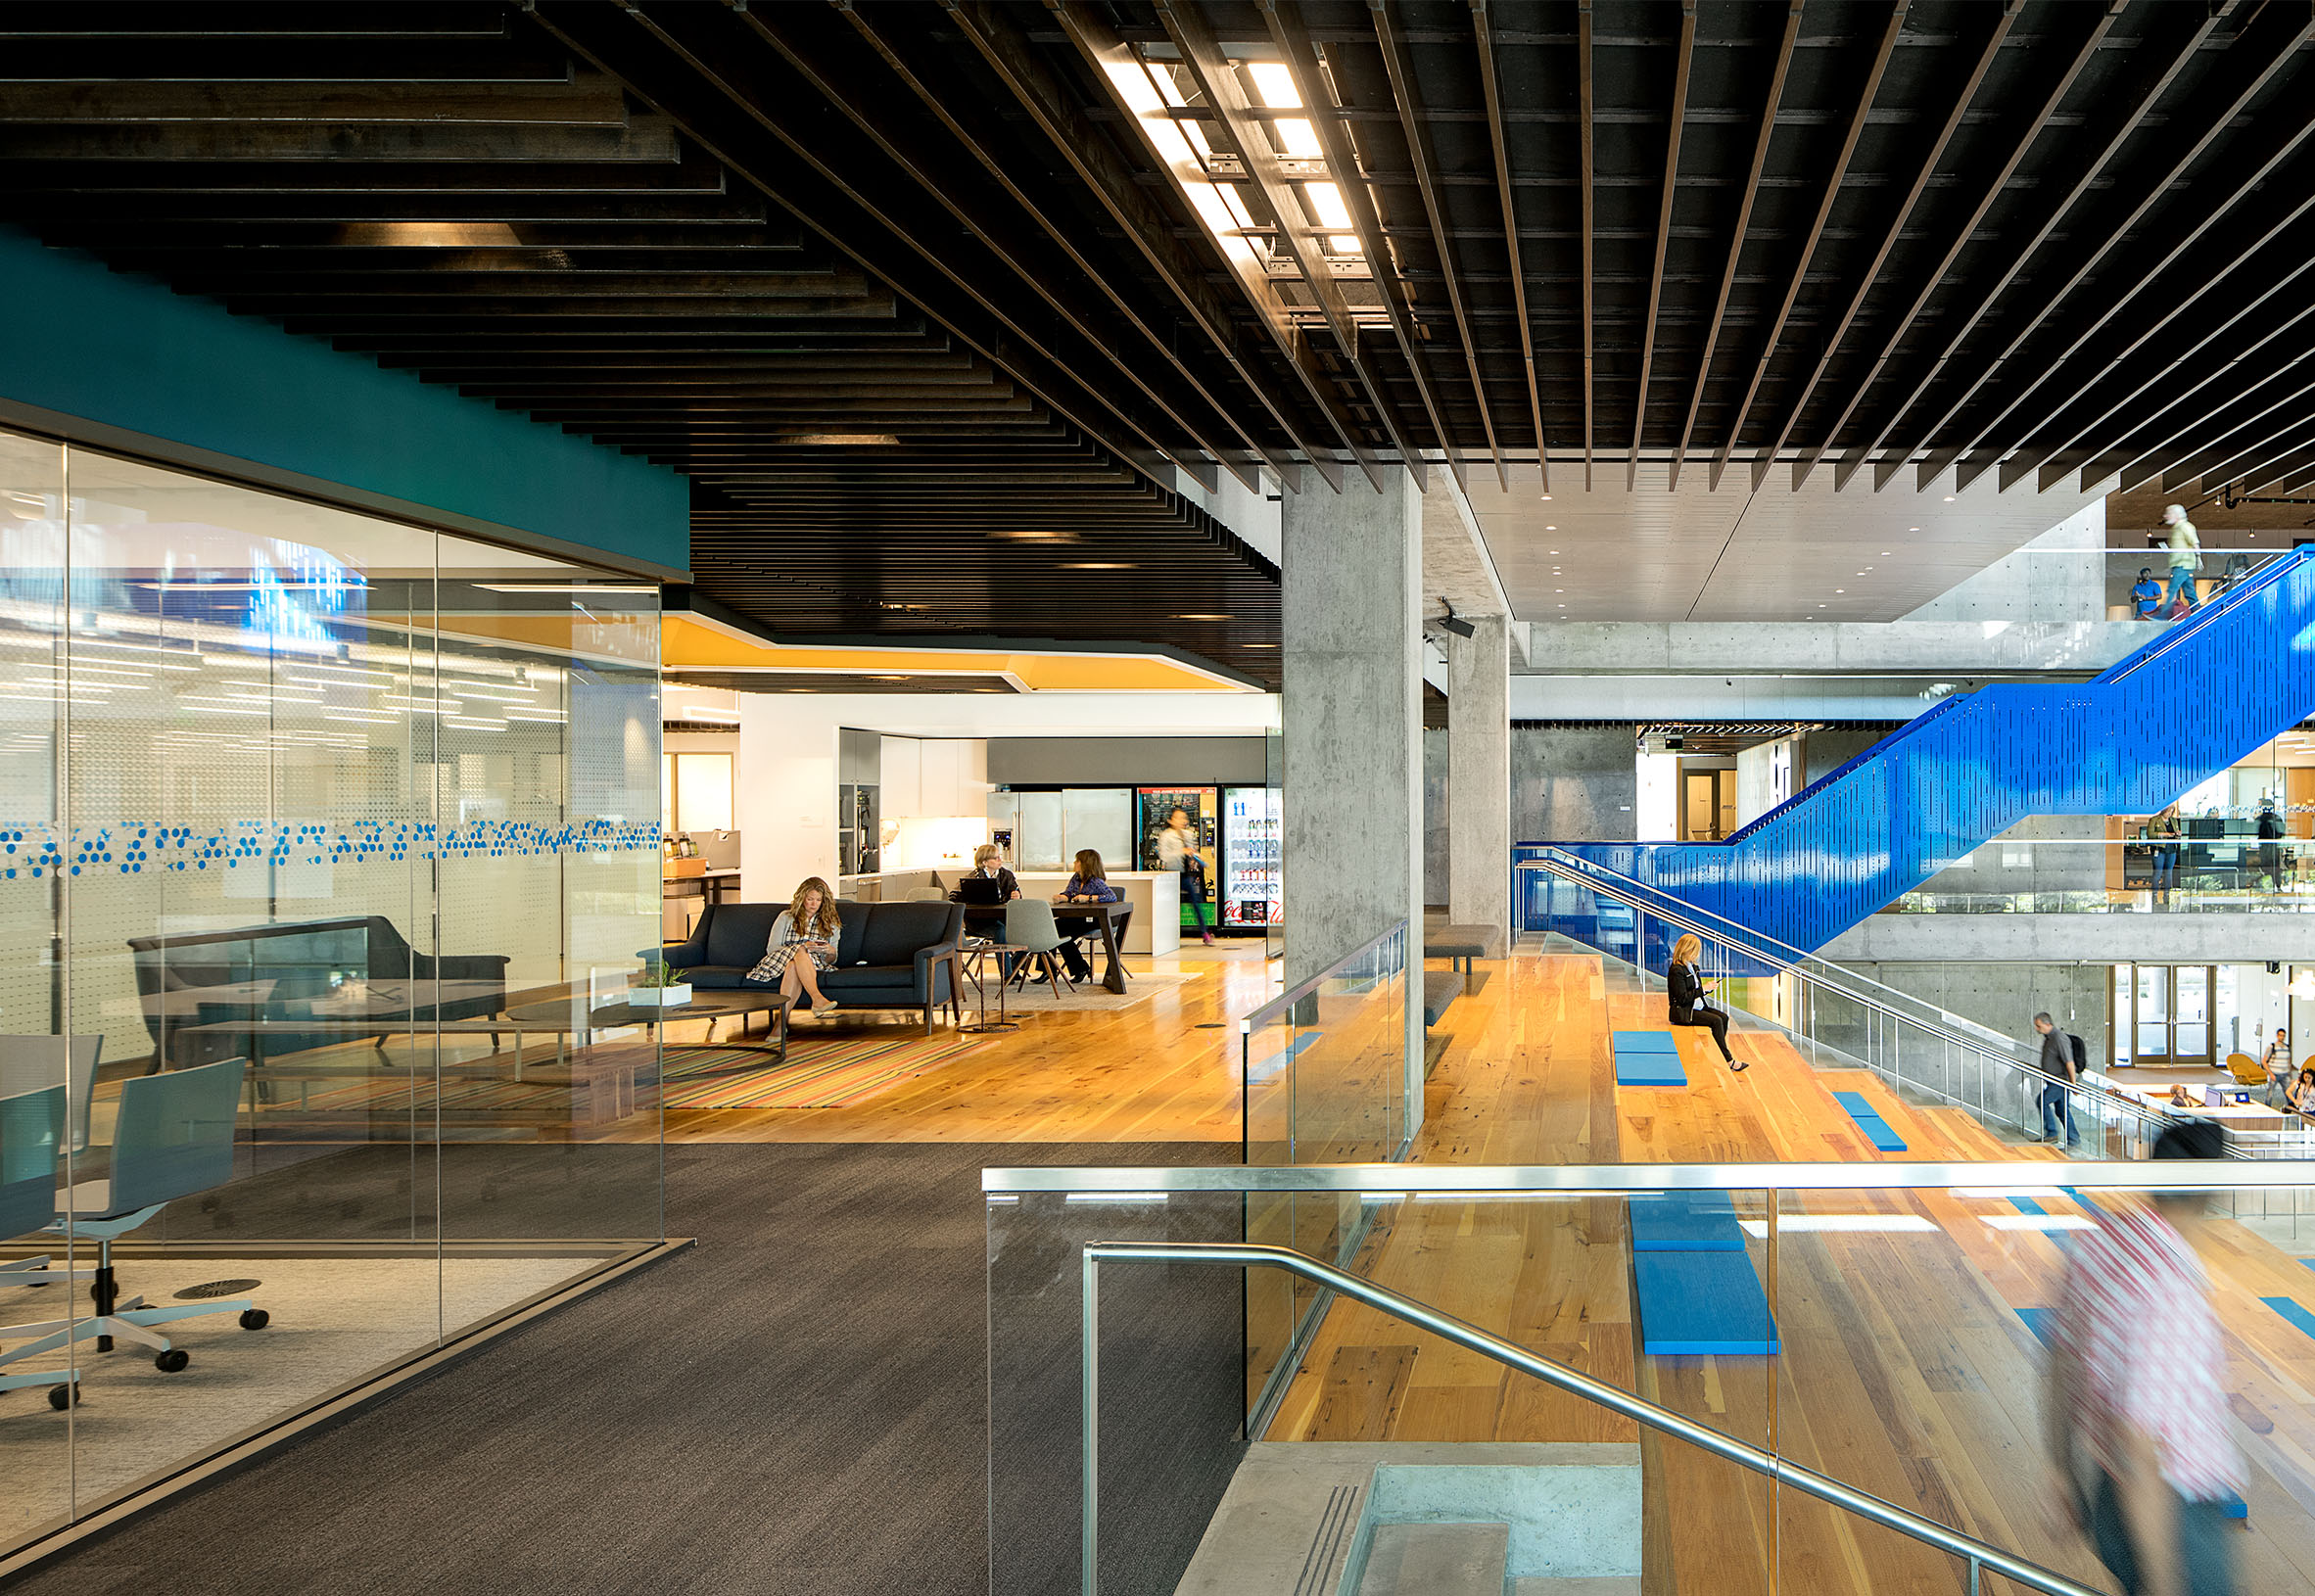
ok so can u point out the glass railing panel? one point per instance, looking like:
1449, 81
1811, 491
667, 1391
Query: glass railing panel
1326, 1063
2230, 874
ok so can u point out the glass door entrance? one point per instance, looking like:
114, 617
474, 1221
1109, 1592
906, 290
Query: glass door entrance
2163, 1014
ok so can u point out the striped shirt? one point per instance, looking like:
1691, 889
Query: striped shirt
2135, 1343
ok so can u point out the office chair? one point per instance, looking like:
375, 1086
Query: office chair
173, 1138
35, 1063
1028, 925
32, 1141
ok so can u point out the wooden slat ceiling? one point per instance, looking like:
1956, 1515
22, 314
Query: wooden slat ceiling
2036, 239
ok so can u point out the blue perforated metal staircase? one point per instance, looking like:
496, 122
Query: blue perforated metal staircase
2196, 698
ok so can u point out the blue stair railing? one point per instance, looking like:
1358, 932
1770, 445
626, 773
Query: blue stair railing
2194, 700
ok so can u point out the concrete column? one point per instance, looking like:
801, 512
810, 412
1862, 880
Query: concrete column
1479, 776
1352, 714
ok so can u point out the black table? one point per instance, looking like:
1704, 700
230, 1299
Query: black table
1114, 918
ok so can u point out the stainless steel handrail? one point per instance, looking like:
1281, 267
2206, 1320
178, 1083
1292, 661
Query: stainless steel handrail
1310, 983
1979, 1554
1477, 1183
1580, 871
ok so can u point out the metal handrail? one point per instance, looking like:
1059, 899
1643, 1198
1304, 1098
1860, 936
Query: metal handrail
1243, 1255
1586, 874
1311, 983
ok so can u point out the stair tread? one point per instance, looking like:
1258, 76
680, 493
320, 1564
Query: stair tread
1445, 1559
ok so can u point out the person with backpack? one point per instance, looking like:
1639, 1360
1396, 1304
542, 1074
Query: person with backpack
2062, 1063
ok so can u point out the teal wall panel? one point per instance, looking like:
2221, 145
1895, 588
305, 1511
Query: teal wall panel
126, 352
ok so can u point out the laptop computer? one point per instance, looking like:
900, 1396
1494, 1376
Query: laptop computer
986, 891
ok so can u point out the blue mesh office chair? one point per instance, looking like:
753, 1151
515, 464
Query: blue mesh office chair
173, 1138
32, 1142
34, 1064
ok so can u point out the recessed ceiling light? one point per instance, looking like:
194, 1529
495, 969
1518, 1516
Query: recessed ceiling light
1551, 528
1949, 498
1555, 551
1885, 553
1098, 565
1201, 614
1546, 498
1258, 646
1840, 590
1821, 606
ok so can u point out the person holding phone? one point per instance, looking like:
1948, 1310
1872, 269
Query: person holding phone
803, 943
1684, 986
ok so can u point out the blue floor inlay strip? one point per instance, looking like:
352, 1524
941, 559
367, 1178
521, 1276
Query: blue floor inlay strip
1686, 1222
2037, 1320
1649, 1070
2291, 1311
1701, 1302
1644, 1042
2028, 1206
1868, 1119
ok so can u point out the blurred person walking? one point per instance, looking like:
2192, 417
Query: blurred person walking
1177, 850
2142, 1444
2185, 559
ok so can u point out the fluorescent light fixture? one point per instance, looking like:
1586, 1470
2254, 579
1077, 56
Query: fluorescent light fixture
567, 587
721, 717
834, 440
2039, 1221
1100, 565
1202, 615
1788, 1223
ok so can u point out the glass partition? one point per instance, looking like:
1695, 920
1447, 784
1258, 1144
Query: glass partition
1596, 1368
330, 840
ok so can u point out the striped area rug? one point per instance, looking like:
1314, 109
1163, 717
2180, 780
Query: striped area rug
834, 1073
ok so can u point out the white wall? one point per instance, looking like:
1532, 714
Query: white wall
787, 754
1765, 777
1657, 817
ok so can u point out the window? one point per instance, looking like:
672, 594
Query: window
695, 791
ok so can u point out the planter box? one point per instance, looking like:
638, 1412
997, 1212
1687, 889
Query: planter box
659, 997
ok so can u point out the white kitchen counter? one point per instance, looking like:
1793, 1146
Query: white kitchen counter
1155, 896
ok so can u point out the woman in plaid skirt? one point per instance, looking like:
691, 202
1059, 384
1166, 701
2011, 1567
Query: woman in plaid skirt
803, 943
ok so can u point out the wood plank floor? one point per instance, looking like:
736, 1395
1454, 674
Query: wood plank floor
1907, 1370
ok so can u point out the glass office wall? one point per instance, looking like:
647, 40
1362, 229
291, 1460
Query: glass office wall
328, 839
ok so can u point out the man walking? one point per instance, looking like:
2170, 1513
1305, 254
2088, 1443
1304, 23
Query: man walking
2185, 559
2058, 1064
2147, 1459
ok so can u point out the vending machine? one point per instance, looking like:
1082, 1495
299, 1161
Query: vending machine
1153, 805
1251, 893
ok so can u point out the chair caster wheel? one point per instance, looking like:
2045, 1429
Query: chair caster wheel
61, 1397
170, 1361
254, 1318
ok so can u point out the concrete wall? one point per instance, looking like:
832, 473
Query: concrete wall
2005, 997
2059, 576
1434, 817
1825, 752
2145, 939
1577, 784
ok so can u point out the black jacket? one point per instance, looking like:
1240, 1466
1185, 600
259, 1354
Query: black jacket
1685, 988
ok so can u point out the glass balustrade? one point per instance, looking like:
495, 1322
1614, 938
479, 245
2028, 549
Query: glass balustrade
1589, 1370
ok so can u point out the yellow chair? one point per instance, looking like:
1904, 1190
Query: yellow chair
2247, 1070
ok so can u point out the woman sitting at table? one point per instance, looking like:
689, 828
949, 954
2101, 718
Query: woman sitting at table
984, 894
803, 943
1087, 885
2300, 1095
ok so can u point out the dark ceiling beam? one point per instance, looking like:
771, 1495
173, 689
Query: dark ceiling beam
1800, 269
1775, 99
1314, 87
1585, 160
1412, 129
2227, 367
787, 30
2282, 33
1217, 78
1485, 44
750, 137
1163, 340
2102, 23
640, 139
1103, 51
2221, 287
1683, 60
1086, 152
2284, 470
2242, 446
2133, 105
589, 100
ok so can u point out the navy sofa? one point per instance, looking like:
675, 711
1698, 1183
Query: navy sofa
888, 955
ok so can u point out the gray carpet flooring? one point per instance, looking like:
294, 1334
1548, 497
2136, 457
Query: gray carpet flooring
796, 1405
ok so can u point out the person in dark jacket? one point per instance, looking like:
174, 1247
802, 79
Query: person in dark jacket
1685, 986
2058, 1064
1087, 884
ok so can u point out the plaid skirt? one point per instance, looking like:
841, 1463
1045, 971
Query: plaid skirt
774, 965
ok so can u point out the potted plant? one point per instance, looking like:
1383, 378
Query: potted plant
658, 987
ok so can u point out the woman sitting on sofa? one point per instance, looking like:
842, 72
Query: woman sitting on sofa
803, 943
1087, 885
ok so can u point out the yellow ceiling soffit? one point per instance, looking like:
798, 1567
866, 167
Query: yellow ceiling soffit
686, 642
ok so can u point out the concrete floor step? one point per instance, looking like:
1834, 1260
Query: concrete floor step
1613, 1584
1437, 1560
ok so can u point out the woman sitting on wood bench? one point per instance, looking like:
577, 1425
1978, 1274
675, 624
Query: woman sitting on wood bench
1687, 987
